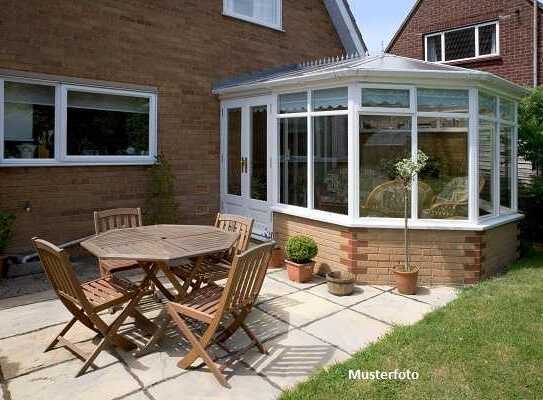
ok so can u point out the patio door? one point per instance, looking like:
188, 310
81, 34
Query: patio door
246, 161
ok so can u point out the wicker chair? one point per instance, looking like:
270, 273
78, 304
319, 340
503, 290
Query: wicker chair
452, 201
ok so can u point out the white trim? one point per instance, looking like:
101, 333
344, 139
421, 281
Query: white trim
473, 156
514, 161
310, 155
414, 153
278, 25
354, 152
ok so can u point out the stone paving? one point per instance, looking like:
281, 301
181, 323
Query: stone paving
303, 327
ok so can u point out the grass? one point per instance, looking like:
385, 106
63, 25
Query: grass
487, 344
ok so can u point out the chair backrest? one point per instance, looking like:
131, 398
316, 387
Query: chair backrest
59, 270
387, 198
117, 218
239, 224
246, 277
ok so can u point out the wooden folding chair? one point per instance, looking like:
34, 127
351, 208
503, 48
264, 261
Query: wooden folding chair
216, 268
211, 304
86, 300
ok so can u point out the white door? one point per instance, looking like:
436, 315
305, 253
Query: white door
246, 161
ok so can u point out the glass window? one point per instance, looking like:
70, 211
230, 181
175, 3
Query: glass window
293, 161
330, 136
293, 103
507, 109
267, 12
445, 179
442, 100
506, 134
234, 151
330, 99
107, 125
487, 105
487, 40
259, 166
29, 121
487, 133
387, 98
460, 44
433, 48
384, 140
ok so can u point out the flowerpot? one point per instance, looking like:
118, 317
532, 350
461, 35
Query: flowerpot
300, 272
406, 282
340, 283
43, 151
3, 266
277, 258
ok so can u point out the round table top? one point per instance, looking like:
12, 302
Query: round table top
167, 243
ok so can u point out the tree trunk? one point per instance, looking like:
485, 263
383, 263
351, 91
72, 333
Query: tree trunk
406, 231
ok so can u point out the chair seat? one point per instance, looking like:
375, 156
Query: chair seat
203, 303
104, 291
111, 266
210, 270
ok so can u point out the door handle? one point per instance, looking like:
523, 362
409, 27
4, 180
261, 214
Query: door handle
243, 163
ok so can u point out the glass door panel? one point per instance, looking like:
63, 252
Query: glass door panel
259, 149
234, 151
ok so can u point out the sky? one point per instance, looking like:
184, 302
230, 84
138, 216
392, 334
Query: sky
379, 20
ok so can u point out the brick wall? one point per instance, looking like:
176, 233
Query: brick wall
178, 46
516, 24
443, 256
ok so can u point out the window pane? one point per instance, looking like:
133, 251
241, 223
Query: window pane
107, 125
487, 40
445, 179
443, 100
433, 48
330, 99
507, 109
506, 134
460, 44
383, 142
29, 121
293, 161
234, 151
487, 105
487, 132
293, 103
263, 10
259, 166
389, 98
330, 135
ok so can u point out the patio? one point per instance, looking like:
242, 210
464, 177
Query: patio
302, 326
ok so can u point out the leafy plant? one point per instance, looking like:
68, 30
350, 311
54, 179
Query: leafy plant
160, 204
531, 129
406, 170
7, 222
301, 249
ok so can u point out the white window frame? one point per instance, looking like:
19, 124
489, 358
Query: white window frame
477, 55
60, 131
228, 11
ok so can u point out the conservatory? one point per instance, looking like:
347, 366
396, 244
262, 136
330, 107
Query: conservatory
311, 148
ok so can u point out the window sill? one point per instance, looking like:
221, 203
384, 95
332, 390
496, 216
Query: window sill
473, 60
396, 223
254, 21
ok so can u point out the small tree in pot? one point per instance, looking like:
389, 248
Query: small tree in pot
406, 170
300, 252
6, 230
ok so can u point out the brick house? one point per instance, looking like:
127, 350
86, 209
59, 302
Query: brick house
140, 74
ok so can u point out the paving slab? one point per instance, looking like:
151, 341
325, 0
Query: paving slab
394, 309
140, 395
200, 384
360, 293
435, 296
59, 383
273, 288
293, 357
348, 330
282, 276
299, 308
384, 288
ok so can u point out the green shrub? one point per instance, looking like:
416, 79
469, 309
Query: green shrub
160, 204
301, 249
7, 221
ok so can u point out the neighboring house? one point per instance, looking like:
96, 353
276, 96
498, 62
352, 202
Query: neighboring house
91, 92
497, 36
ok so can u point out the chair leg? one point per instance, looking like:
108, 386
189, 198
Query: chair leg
88, 362
61, 334
254, 339
165, 320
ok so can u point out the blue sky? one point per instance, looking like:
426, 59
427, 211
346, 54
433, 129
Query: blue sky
379, 19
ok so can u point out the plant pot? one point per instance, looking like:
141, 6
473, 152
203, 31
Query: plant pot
43, 151
3, 266
340, 283
406, 282
277, 258
300, 272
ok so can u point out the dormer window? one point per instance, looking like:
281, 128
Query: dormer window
261, 12
463, 43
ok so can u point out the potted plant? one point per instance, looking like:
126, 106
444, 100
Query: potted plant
300, 252
44, 143
6, 230
277, 258
406, 170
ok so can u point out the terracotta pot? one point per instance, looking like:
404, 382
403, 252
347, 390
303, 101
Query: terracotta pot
406, 282
277, 258
43, 152
340, 283
3, 266
300, 272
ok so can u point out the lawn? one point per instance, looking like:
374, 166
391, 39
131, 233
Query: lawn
487, 344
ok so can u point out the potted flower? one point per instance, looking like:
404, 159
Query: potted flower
406, 170
300, 252
6, 230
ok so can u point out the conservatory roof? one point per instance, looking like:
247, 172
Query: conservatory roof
383, 65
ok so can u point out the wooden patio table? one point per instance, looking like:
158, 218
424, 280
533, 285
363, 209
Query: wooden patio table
158, 247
